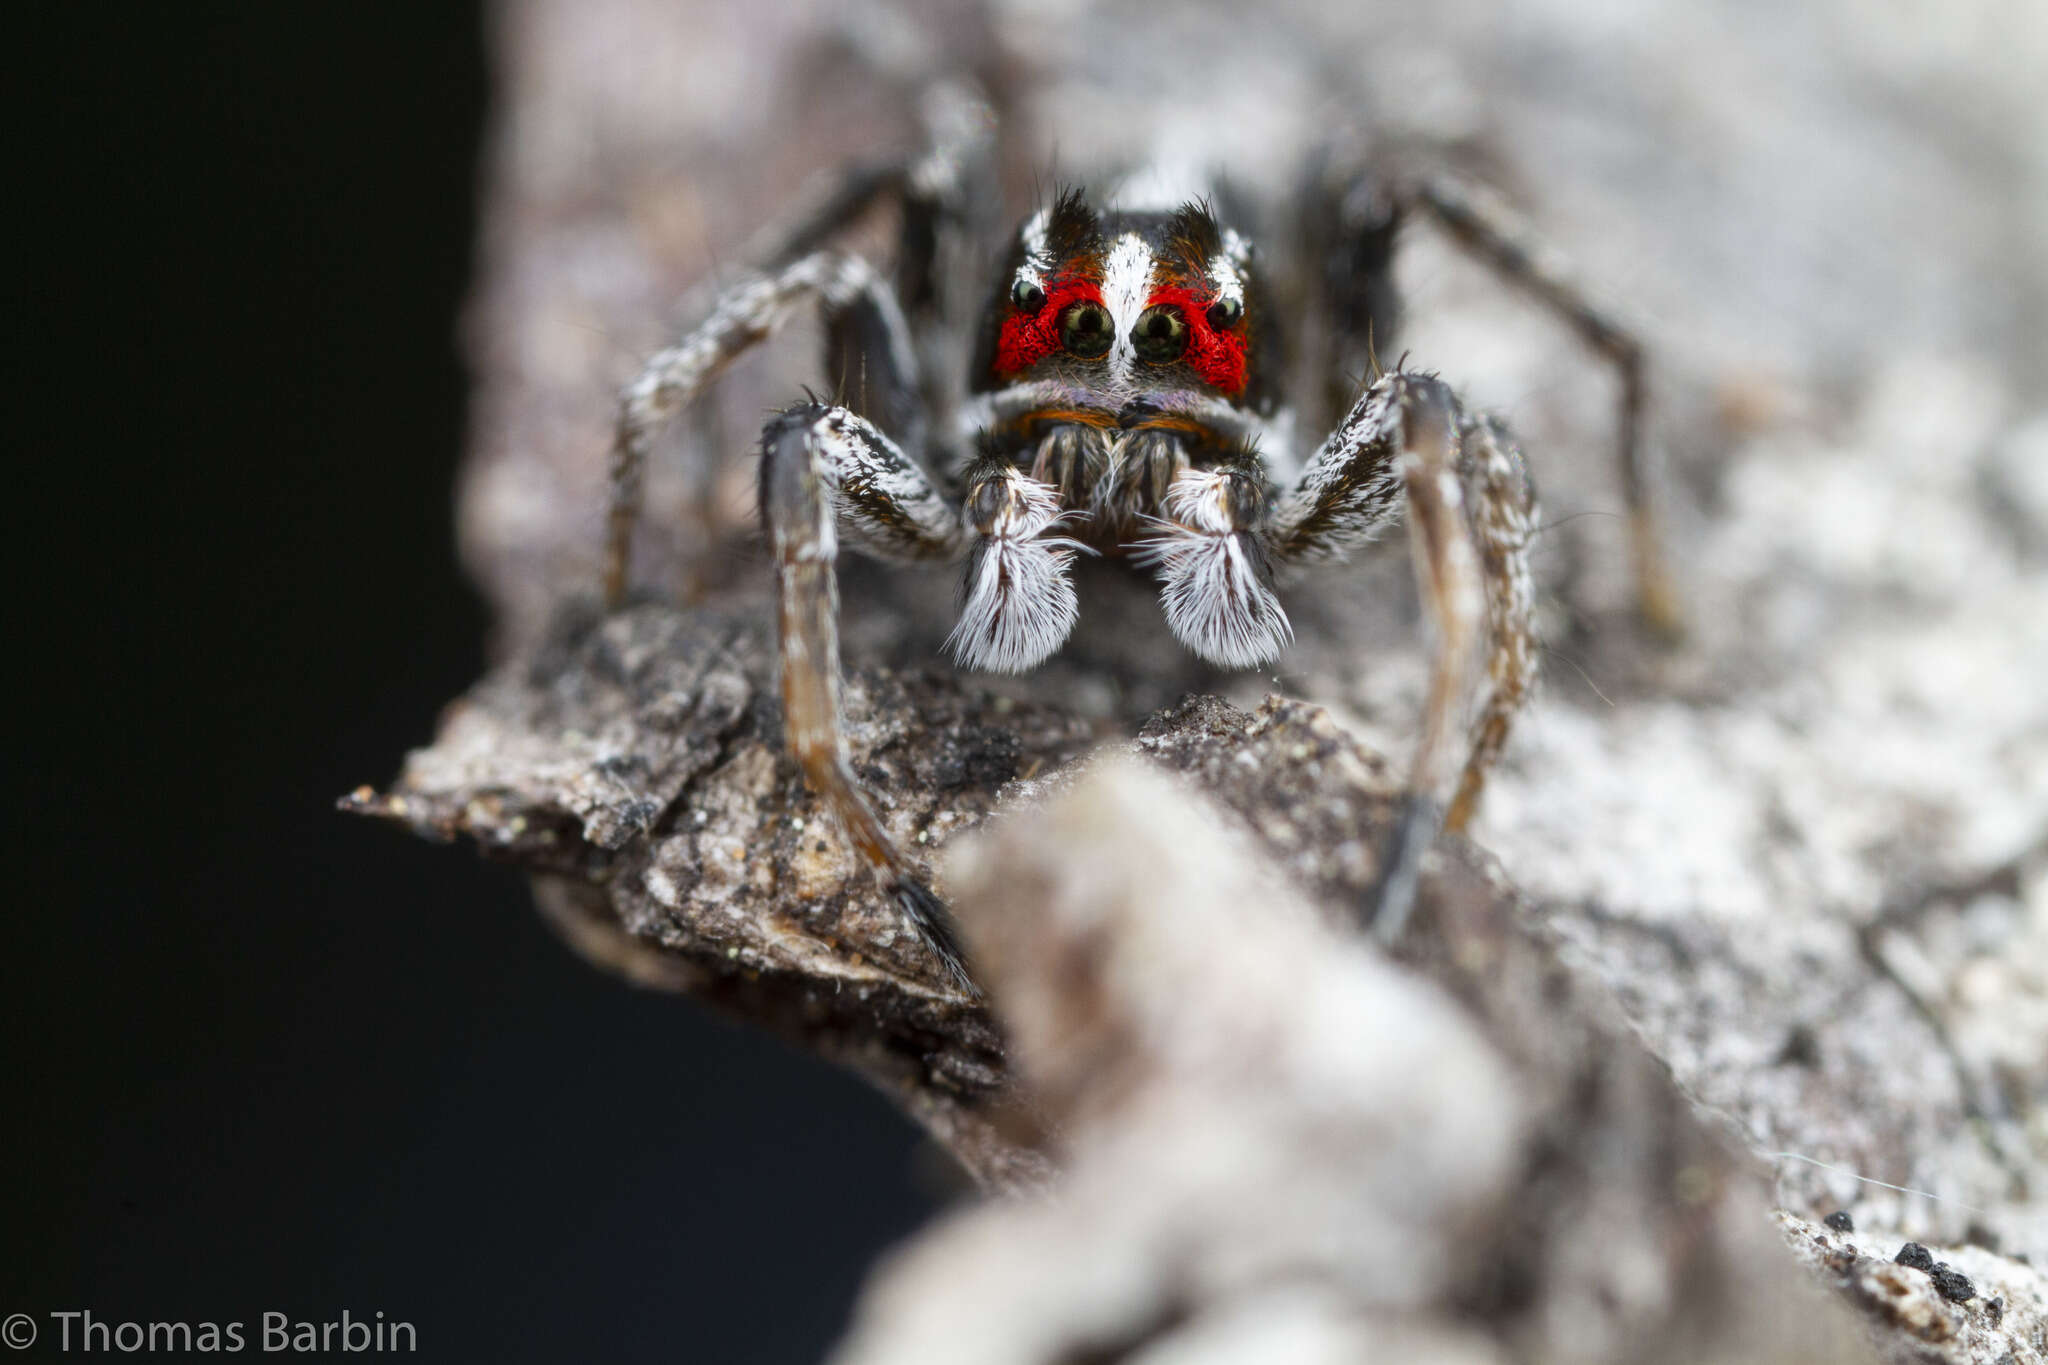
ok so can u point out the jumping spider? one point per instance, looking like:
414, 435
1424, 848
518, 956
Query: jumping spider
1124, 399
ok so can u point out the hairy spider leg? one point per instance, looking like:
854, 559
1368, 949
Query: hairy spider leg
1349, 228
1500, 502
847, 477
1471, 512
744, 315
948, 198
1345, 307
871, 355
827, 471
1487, 227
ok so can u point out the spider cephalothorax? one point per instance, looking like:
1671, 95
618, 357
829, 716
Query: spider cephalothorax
1124, 399
1120, 403
1125, 307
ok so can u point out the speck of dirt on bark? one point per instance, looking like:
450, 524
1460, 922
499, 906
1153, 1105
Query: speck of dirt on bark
1952, 1284
1915, 1257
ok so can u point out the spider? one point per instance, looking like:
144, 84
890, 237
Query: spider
1124, 398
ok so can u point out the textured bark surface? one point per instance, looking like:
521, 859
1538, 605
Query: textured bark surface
1277, 1145
1778, 897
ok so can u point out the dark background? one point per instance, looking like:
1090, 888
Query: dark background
261, 1057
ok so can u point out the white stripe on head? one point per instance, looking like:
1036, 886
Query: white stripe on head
1126, 286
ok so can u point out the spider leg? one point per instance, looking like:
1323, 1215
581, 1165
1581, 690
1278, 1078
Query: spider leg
1345, 301
861, 311
1492, 231
1500, 502
1471, 513
1447, 569
951, 203
943, 192
871, 355
1354, 206
827, 471
828, 209
945, 196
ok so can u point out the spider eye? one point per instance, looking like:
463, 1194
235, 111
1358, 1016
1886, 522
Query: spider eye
1086, 330
1225, 313
1161, 335
1027, 296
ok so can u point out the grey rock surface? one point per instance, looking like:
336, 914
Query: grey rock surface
1802, 860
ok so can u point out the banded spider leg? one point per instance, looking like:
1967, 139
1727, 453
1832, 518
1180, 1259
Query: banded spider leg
1350, 226
1471, 514
828, 472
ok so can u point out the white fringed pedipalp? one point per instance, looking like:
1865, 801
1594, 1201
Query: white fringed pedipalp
1020, 604
1216, 581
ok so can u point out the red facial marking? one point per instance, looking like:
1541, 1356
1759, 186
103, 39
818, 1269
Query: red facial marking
1216, 353
1029, 336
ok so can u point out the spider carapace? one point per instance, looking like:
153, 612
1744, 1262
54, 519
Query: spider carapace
1123, 398
1118, 411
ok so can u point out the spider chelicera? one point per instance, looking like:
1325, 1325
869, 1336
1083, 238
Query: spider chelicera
1124, 399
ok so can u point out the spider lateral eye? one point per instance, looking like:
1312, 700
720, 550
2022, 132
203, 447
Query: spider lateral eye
1225, 312
1161, 334
1086, 330
1027, 295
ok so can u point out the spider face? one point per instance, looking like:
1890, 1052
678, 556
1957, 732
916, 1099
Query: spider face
1122, 350
1126, 308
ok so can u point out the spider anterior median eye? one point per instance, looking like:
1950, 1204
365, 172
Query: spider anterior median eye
1027, 295
1225, 312
1161, 334
1086, 330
